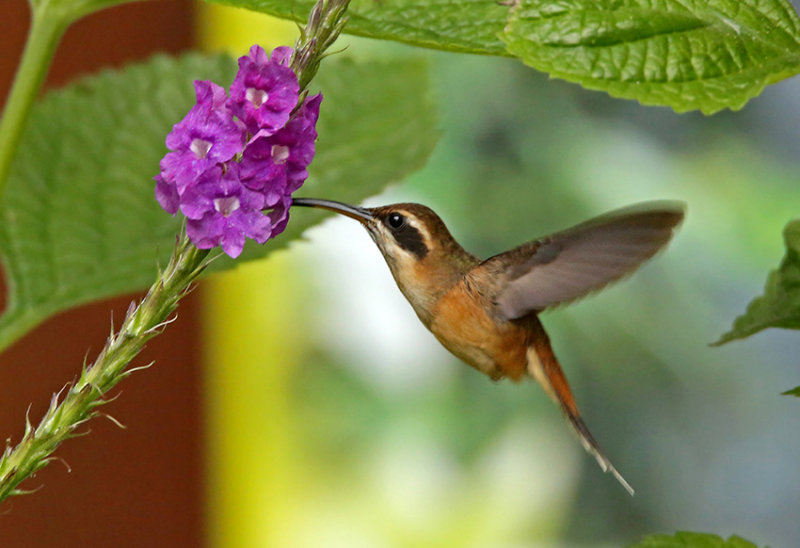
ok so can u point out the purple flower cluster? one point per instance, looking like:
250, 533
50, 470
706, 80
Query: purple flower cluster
233, 158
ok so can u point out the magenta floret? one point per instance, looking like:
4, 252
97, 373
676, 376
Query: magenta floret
235, 161
265, 91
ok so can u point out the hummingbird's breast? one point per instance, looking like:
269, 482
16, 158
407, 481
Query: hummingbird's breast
464, 322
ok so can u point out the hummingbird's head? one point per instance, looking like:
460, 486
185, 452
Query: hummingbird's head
405, 233
422, 255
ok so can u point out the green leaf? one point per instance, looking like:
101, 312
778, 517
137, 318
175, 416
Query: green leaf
469, 26
80, 221
72, 10
685, 54
779, 306
687, 539
793, 392
688, 55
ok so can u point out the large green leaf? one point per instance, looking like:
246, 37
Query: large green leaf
779, 306
470, 26
687, 54
688, 539
79, 220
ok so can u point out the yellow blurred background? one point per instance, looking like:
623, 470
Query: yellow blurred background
336, 420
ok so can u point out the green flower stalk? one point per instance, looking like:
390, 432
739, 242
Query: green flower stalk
81, 399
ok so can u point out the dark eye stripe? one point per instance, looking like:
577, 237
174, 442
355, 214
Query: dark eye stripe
409, 239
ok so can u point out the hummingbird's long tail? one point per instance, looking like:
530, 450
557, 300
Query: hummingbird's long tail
544, 367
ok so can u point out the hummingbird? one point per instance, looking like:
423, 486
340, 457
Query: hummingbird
486, 312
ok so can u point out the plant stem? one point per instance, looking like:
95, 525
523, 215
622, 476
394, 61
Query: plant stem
81, 399
47, 27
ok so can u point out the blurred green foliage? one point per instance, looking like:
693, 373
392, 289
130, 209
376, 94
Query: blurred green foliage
697, 430
685, 539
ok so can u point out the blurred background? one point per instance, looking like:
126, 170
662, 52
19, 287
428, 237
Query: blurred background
301, 403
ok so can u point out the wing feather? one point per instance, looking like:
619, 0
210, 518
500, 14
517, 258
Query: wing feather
567, 265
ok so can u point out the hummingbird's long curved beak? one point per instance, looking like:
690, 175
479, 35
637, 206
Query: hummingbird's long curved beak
360, 214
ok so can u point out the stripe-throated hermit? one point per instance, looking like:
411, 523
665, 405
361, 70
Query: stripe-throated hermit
486, 311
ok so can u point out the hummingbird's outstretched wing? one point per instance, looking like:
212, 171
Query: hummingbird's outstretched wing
567, 265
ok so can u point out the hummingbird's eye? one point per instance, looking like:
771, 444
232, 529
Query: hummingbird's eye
395, 220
